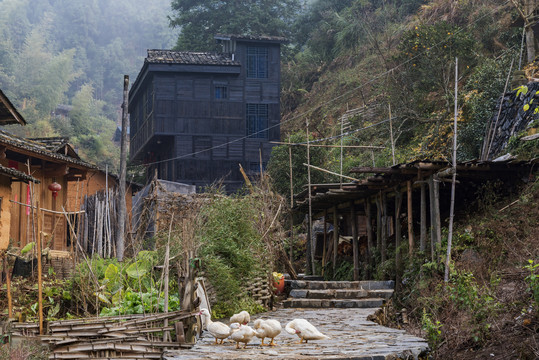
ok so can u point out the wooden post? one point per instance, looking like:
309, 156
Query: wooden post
355, 240
120, 224
423, 218
325, 241
370, 245
335, 238
379, 222
8, 287
166, 334
385, 232
437, 211
410, 218
398, 203
432, 218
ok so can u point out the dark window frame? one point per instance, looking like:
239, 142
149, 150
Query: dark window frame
257, 120
220, 92
257, 62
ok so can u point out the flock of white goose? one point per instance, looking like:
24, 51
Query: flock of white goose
240, 332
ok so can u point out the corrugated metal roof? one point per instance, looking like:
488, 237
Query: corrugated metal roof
189, 58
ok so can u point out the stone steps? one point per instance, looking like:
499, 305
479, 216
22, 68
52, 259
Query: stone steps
333, 303
338, 294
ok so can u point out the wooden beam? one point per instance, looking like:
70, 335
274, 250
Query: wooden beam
373, 170
2, 152
58, 170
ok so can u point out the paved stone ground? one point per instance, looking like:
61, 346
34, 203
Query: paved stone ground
352, 337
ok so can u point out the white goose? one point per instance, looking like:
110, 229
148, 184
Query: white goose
304, 330
242, 317
267, 329
219, 330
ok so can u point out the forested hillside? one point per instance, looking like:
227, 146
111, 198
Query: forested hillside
372, 57
75, 53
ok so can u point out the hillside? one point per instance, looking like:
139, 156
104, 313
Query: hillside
364, 58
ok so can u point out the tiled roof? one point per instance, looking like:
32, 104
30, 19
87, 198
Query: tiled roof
8, 113
251, 37
188, 58
39, 148
17, 174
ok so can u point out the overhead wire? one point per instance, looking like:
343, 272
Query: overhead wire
327, 102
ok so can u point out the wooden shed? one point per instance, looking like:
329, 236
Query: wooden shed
373, 211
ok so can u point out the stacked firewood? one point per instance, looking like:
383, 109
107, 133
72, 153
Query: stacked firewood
260, 291
121, 337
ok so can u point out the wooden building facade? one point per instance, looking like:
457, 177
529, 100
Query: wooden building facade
195, 116
47, 162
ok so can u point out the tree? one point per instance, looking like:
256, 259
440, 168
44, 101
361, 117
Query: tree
200, 20
526, 9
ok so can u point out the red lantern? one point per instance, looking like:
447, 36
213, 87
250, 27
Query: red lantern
55, 187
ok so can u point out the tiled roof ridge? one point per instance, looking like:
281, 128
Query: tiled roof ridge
18, 174
39, 148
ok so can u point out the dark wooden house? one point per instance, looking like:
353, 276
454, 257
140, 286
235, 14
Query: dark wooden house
195, 116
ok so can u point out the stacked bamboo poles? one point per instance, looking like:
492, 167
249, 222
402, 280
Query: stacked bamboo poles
99, 227
120, 337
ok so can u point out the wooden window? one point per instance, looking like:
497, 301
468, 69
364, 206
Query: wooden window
257, 62
257, 120
221, 92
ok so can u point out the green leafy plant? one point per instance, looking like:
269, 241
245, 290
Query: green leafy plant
533, 280
432, 329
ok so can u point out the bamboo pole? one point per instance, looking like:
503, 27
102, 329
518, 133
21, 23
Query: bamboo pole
309, 166
291, 243
410, 217
312, 242
39, 273
454, 179
391, 135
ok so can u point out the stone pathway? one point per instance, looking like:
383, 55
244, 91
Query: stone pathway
352, 337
